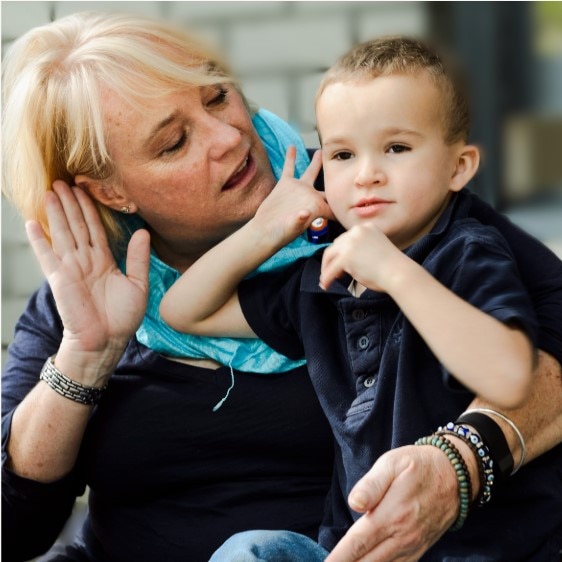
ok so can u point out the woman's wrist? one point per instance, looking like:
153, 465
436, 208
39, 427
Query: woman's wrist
463, 477
65, 386
471, 463
88, 368
501, 436
260, 242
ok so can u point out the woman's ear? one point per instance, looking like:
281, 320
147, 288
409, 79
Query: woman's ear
105, 194
467, 162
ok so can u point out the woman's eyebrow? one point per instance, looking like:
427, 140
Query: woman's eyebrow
161, 125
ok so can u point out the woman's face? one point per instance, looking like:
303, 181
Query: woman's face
190, 164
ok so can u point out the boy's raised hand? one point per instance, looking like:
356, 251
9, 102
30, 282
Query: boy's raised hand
365, 253
294, 203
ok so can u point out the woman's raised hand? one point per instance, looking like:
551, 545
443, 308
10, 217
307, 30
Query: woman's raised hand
100, 307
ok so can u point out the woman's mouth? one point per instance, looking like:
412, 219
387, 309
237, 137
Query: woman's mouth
241, 175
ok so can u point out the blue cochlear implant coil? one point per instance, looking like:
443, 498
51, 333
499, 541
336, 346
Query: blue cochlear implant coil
318, 231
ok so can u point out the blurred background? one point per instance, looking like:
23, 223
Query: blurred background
512, 52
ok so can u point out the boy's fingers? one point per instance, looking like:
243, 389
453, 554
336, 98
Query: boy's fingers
329, 269
289, 165
314, 168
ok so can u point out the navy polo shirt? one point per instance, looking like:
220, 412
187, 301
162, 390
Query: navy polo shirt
380, 385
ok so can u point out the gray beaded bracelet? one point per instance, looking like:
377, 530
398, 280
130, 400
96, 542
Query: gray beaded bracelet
68, 388
463, 476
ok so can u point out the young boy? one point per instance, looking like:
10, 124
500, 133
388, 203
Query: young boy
414, 304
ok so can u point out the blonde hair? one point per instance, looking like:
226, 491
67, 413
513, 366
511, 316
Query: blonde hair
403, 55
53, 125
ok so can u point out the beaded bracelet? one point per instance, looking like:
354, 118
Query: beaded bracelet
68, 388
463, 476
482, 454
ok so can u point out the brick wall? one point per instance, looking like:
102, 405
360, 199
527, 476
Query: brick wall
278, 50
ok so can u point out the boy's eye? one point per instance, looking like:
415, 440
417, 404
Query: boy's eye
398, 148
342, 155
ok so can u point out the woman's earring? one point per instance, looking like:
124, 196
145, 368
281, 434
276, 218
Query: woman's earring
126, 209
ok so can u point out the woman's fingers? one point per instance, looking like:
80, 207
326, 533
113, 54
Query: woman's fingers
96, 232
61, 236
41, 247
138, 258
75, 223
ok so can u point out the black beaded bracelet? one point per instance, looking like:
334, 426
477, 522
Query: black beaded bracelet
463, 476
482, 454
68, 388
495, 440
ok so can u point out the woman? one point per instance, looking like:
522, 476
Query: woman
179, 453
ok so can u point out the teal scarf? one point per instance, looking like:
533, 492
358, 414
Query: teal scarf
250, 355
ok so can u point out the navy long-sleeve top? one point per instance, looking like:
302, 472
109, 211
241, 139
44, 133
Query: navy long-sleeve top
169, 478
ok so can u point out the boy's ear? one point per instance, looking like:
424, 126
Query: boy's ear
467, 162
104, 193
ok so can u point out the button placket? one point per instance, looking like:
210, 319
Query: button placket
358, 314
369, 382
363, 342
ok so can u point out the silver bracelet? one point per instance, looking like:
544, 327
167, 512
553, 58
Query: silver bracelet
68, 388
515, 429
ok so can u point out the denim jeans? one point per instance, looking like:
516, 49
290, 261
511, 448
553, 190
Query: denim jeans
269, 546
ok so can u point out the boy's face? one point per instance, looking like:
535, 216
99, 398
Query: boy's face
384, 154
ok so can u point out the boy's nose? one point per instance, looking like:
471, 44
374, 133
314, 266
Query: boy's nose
369, 174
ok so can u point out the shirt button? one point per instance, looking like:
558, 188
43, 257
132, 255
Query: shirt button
369, 382
358, 314
363, 342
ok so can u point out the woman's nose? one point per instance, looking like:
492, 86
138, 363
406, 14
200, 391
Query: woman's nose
223, 138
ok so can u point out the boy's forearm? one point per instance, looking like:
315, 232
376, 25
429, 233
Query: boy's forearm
213, 279
483, 353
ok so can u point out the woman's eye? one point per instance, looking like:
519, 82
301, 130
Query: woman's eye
398, 148
220, 96
176, 146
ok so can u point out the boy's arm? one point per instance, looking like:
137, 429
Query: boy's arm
204, 301
491, 358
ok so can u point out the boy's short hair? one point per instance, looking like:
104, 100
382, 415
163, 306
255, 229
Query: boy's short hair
403, 55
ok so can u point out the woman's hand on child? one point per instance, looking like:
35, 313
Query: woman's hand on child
409, 499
